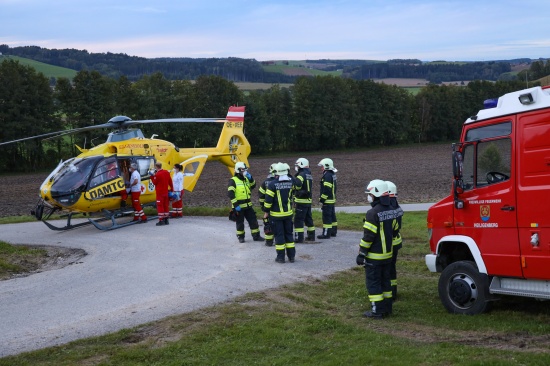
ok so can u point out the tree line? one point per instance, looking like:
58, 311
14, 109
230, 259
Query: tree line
235, 69
434, 72
316, 113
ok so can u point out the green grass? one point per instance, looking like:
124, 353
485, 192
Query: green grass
50, 71
14, 257
319, 323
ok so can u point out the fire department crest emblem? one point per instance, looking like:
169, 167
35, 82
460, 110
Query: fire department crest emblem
485, 212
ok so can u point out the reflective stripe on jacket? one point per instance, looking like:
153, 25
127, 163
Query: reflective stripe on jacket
303, 187
278, 198
328, 187
379, 230
239, 191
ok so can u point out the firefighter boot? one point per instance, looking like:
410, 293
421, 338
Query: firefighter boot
241, 238
268, 242
325, 234
280, 256
310, 236
299, 238
375, 312
291, 253
166, 221
333, 231
257, 237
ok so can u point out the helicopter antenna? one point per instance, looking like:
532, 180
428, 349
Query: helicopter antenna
92, 141
153, 136
84, 142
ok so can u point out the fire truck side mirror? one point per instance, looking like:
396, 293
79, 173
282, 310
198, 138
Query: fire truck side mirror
457, 164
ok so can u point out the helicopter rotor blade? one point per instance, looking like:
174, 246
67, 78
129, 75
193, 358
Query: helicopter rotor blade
52, 135
115, 123
174, 120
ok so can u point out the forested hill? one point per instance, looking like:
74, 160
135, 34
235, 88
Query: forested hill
115, 65
235, 69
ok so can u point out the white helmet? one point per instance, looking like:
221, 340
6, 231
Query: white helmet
377, 188
392, 188
302, 163
282, 169
273, 168
240, 165
327, 164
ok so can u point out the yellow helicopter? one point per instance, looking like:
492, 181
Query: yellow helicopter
91, 182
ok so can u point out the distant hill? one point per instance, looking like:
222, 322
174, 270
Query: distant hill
50, 71
277, 71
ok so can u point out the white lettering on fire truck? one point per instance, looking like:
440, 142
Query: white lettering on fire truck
484, 202
485, 224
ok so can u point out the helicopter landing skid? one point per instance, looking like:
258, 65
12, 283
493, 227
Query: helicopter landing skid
114, 224
69, 226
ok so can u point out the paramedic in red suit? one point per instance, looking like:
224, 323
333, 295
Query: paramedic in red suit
163, 183
135, 190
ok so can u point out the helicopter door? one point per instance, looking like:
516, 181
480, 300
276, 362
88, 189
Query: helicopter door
106, 181
192, 169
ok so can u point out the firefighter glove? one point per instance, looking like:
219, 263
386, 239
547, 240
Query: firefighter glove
237, 208
360, 260
248, 175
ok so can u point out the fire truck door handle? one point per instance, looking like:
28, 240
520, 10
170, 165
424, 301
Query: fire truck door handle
507, 208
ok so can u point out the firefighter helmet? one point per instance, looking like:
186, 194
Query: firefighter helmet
377, 188
302, 163
282, 169
273, 168
392, 188
327, 164
240, 165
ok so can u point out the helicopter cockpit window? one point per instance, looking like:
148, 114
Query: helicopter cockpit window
105, 171
124, 135
74, 174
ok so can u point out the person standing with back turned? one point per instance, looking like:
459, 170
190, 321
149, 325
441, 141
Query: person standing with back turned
163, 183
303, 184
278, 208
328, 199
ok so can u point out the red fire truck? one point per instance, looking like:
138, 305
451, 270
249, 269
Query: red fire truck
491, 235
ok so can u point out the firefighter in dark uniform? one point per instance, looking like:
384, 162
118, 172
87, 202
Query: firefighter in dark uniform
397, 240
303, 183
375, 249
268, 231
278, 208
328, 199
239, 192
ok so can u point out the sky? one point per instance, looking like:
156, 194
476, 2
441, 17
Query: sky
428, 30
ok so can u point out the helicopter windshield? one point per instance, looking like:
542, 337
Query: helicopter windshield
74, 174
124, 135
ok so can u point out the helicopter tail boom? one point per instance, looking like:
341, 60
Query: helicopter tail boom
232, 145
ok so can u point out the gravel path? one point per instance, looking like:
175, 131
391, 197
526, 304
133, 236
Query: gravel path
144, 273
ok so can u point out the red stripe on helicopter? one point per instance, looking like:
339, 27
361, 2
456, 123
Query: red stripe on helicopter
235, 114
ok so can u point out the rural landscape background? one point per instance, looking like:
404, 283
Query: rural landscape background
391, 119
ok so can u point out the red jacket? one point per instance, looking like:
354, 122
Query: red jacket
162, 180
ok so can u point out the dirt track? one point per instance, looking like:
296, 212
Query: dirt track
422, 174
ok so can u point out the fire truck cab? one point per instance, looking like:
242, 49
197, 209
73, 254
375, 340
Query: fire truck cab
491, 235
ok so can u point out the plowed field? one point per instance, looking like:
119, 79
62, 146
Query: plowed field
422, 174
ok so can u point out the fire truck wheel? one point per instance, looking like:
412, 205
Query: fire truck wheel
463, 290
